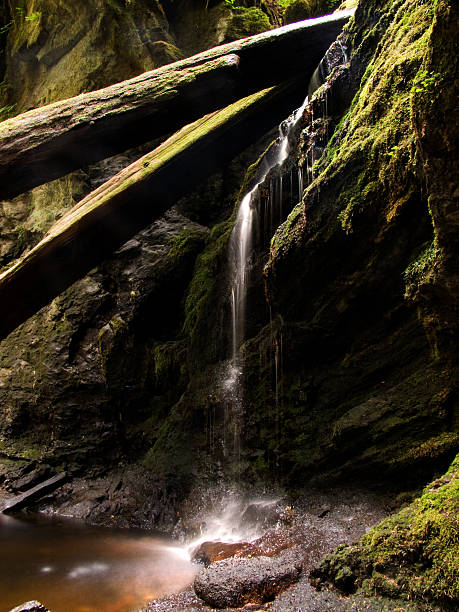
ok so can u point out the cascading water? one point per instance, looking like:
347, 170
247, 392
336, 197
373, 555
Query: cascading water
257, 217
241, 239
260, 213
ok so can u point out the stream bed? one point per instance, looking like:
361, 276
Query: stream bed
70, 567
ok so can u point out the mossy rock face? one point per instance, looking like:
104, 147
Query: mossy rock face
197, 27
88, 341
101, 43
411, 555
247, 22
297, 10
363, 387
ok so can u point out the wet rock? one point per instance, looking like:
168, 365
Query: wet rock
33, 478
272, 543
261, 514
236, 582
30, 606
210, 552
287, 516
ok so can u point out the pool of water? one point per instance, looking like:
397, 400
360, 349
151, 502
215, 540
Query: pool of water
75, 568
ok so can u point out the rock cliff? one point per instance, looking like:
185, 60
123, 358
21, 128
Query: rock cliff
350, 361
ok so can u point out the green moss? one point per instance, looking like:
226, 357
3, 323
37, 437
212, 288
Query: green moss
111, 340
421, 268
376, 136
203, 290
246, 22
171, 457
25, 447
167, 357
442, 444
413, 554
297, 10
379, 124
185, 244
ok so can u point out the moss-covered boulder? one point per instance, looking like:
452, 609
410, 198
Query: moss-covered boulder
413, 554
296, 10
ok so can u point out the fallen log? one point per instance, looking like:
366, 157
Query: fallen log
132, 199
30, 496
46, 143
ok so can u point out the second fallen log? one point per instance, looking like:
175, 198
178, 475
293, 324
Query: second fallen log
132, 199
48, 142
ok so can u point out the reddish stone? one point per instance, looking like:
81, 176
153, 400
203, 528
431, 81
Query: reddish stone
209, 552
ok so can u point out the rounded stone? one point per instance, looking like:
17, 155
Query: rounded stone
239, 581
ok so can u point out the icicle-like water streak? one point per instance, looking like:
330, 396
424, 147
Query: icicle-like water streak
259, 213
242, 235
240, 249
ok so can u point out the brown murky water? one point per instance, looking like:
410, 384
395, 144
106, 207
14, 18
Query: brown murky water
74, 568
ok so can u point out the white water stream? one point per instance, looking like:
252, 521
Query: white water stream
250, 219
241, 239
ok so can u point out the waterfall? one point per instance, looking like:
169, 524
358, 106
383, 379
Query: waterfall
281, 179
240, 249
241, 239
260, 212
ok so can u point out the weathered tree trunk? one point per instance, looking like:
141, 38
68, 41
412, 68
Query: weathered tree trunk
132, 199
32, 495
48, 142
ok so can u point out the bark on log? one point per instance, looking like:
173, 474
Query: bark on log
48, 142
132, 199
30, 496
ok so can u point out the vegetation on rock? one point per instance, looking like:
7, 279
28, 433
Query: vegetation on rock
352, 253
296, 10
413, 554
350, 373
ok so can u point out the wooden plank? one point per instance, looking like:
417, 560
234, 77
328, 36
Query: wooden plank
32, 495
132, 199
46, 143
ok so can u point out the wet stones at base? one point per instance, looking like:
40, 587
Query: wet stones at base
270, 544
31, 606
236, 582
210, 552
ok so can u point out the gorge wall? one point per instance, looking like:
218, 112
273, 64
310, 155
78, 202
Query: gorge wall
350, 361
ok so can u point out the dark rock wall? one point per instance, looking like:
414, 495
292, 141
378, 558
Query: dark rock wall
360, 280
90, 380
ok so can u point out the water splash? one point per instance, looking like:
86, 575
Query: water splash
238, 519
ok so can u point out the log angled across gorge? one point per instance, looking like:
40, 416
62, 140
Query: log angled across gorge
132, 199
48, 142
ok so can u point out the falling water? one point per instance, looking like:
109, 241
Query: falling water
241, 240
256, 213
260, 212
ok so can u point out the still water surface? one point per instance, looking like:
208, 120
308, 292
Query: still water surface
75, 568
